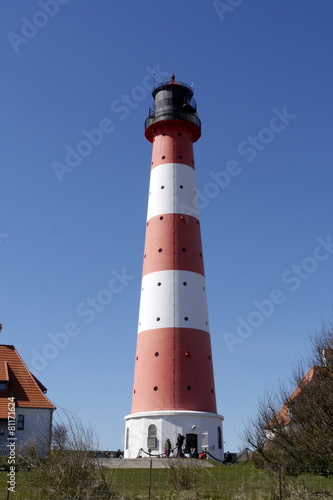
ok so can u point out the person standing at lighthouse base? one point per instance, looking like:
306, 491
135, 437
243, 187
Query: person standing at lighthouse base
167, 448
179, 444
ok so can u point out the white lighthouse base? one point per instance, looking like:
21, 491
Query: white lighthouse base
146, 432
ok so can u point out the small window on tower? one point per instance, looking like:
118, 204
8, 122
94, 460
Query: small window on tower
219, 438
152, 436
127, 438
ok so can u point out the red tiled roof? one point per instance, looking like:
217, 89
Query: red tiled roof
315, 372
22, 384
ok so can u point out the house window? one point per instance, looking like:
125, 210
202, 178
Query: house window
219, 438
20, 422
2, 386
152, 438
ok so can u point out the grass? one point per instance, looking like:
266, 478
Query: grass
190, 481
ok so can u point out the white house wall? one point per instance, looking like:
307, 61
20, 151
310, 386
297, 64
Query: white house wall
37, 427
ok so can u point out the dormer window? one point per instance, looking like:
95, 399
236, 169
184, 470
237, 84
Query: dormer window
4, 377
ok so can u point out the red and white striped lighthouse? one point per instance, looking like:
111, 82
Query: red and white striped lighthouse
173, 382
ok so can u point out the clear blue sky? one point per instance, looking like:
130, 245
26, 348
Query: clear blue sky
263, 79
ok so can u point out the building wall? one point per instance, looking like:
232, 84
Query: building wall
168, 424
37, 429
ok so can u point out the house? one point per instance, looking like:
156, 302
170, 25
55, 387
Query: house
314, 375
25, 411
315, 378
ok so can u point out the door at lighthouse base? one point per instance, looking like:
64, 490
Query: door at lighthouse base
191, 441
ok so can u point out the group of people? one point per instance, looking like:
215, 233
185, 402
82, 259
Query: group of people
182, 452
227, 458
117, 454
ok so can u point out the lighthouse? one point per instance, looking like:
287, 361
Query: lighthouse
173, 390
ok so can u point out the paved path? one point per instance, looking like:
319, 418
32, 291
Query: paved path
144, 463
